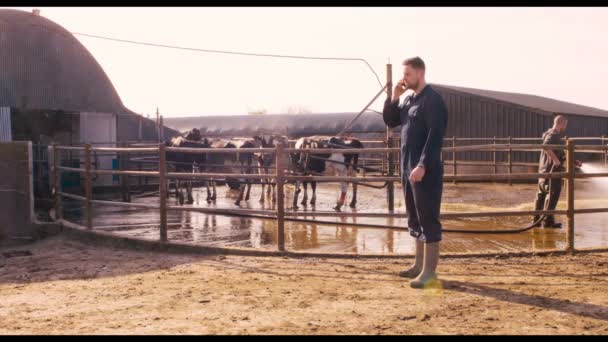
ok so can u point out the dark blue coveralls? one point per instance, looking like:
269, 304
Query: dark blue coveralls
423, 119
550, 187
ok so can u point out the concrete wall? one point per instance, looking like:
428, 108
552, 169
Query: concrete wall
16, 194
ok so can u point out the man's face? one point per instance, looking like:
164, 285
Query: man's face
412, 76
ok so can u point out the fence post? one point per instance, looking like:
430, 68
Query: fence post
570, 194
510, 161
57, 182
280, 172
454, 159
123, 159
139, 124
162, 187
494, 156
161, 129
390, 189
605, 150
384, 170
88, 185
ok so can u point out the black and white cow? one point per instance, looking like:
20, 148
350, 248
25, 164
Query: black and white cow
246, 165
186, 162
339, 164
242, 162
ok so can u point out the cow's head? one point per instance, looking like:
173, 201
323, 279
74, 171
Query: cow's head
335, 142
265, 140
193, 134
303, 158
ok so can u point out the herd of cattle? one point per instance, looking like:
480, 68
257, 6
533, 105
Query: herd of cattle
299, 163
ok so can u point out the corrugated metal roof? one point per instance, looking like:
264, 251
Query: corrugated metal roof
44, 67
531, 101
5, 125
370, 122
289, 124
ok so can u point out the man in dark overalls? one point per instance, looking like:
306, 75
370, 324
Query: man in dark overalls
549, 189
423, 118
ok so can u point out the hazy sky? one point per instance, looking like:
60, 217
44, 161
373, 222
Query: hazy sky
553, 52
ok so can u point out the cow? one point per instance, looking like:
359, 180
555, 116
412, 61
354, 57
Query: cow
186, 162
218, 163
245, 163
228, 162
341, 164
265, 160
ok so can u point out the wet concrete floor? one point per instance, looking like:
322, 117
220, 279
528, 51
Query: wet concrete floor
591, 230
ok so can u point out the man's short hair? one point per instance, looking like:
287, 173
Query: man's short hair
560, 119
415, 62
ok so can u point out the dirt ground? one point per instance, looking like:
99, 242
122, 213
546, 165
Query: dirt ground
69, 287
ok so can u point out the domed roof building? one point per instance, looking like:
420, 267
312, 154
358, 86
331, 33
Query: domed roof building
45, 67
47, 74
52, 90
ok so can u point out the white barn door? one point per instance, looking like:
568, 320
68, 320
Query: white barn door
99, 129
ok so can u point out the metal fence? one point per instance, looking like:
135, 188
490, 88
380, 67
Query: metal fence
281, 177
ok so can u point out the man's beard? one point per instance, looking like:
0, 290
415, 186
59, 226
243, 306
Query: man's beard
415, 85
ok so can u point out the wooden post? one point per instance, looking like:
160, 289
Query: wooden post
570, 195
157, 124
163, 191
139, 168
88, 185
454, 158
280, 172
139, 135
494, 156
510, 160
390, 188
57, 182
161, 129
604, 157
123, 158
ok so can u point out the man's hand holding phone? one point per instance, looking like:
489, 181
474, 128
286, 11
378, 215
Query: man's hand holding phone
400, 88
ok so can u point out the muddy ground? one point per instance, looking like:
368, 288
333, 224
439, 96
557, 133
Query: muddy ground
70, 287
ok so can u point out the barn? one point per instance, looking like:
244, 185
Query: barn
52, 90
473, 113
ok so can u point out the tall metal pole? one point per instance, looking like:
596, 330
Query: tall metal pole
161, 129
157, 124
123, 164
494, 156
88, 185
163, 191
605, 154
139, 124
390, 189
510, 160
57, 182
280, 173
454, 168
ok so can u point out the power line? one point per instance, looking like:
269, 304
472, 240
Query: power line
233, 52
